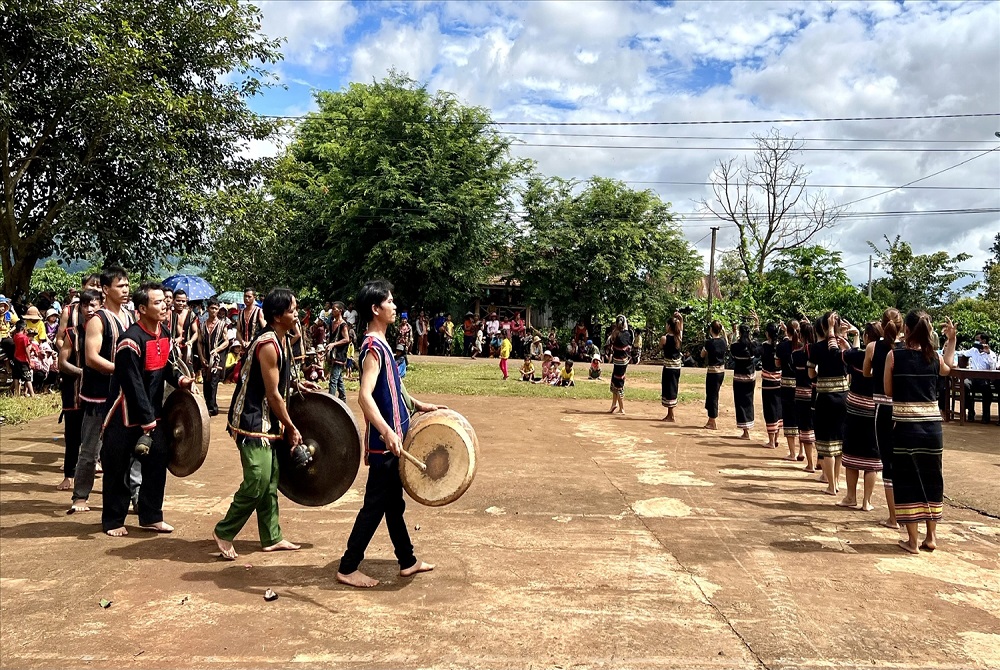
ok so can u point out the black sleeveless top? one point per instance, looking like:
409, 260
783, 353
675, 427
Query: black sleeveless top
249, 414
743, 354
803, 384
716, 348
670, 348
69, 385
914, 386
831, 371
96, 386
882, 349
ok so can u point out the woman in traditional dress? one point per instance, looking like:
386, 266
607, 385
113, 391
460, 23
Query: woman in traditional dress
743, 351
875, 356
910, 379
714, 353
803, 394
783, 358
671, 377
827, 367
770, 386
860, 447
621, 354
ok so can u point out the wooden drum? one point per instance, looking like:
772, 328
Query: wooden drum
443, 452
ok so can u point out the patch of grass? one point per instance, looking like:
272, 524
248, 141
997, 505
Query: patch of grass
482, 380
19, 410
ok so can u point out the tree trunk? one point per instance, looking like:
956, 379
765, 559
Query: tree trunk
19, 276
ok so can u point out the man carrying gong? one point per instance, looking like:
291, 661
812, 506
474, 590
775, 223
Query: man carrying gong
386, 423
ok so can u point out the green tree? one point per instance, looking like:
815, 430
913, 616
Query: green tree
915, 281
119, 120
53, 277
991, 274
388, 180
604, 251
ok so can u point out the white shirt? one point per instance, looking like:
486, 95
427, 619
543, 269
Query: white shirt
351, 316
493, 327
980, 360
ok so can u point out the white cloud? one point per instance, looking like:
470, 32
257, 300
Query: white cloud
312, 29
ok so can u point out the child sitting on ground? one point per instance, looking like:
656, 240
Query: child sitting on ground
552, 376
527, 370
595, 368
312, 370
546, 364
566, 376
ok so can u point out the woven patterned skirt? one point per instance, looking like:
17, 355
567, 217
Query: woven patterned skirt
860, 445
831, 410
804, 417
618, 379
743, 392
713, 383
883, 441
789, 419
771, 400
669, 382
917, 477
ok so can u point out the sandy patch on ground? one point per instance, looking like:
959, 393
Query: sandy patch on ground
661, 507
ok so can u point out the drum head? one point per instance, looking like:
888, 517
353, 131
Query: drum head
445, 441
185, 418
327, 426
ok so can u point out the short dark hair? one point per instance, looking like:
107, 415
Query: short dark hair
249, 289
141, 295
371, 295
180, 291
276, 303
213, 301
984, 338
87, 278
112, 273
339, 305
89, 296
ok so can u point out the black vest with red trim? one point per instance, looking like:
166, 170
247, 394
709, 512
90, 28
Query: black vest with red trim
96, 387
142, 365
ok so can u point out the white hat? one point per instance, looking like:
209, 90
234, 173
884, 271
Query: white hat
547, 353
51, 312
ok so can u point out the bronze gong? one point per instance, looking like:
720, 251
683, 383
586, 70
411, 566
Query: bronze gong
185, 419
331, 435
440, 456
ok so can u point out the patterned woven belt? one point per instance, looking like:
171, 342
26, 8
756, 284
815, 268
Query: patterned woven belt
915, 411
832, 384
715, 369
671, 362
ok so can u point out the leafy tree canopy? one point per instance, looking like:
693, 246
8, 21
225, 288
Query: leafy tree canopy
388, 180
604, 251
119, 121
915, 281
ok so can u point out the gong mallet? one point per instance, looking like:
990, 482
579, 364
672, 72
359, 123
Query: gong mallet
413, 459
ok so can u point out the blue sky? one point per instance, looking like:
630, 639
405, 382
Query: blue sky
628, 62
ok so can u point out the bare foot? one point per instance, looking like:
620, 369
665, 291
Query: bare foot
830, 492
847, 503
117, 532
928, 545
357, 579
226, 549
710, 426
906, 546
66, 485
419, 566
808, 469
159, 527
668, 418
78, 506
611, 411
821, 479
745, 436
867, 507
283, 545
98, 470
891, 523
789, 457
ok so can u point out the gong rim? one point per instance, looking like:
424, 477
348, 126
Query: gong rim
328, 424
421, 485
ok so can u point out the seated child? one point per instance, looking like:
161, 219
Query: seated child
527, 370
312, 370
595, 368
552, 376
546, 364
566, 376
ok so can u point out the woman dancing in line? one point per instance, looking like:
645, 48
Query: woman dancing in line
783, 358
860, 447
827, 367
743, 352
770, 386
911, 380
875, 356
803, 394
671, 377
714, 353
621, 354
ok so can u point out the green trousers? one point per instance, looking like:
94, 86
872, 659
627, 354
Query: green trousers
258, 492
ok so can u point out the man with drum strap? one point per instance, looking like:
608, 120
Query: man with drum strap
183, 326
387, 421
70, 316
251, 320
100, 339
258, 419
132, 425
213, 344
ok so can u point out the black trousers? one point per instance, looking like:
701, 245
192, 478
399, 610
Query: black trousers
73, 423
116, 457
383, 498
211, 387
984, 387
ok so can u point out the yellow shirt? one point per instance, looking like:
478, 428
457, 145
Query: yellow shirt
505, 347
528, 369
566, 375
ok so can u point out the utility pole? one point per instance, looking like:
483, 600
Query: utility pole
711, 273
869, 276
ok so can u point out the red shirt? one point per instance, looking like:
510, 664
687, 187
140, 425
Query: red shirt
21, 343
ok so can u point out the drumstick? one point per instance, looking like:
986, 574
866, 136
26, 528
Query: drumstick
413, 459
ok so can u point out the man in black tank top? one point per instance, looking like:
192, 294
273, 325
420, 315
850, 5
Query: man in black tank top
98, 346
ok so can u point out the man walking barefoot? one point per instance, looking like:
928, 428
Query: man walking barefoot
387, 421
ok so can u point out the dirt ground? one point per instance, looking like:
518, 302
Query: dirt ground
586, 540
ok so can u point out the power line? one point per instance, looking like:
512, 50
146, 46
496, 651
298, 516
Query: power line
873, 186
718, 137
646, 123
754, 148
